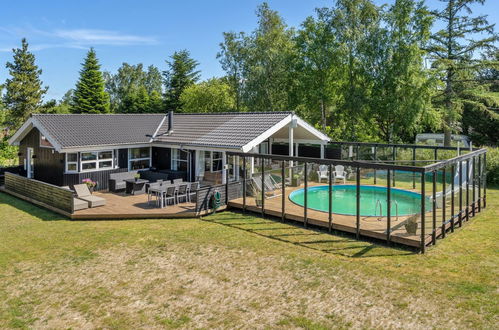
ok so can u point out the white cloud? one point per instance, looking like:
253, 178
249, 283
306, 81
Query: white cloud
74, 38
103, 37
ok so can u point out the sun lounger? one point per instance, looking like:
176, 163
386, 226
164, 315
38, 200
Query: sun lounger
83, 193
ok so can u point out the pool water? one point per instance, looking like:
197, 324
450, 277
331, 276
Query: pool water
344, 200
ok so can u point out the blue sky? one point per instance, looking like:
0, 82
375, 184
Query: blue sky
147, 31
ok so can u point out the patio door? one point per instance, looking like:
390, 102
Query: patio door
30, 165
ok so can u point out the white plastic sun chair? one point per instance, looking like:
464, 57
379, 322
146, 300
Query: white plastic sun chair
83, 193
340, 173
323, 173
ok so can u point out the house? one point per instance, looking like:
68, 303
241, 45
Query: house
63, 149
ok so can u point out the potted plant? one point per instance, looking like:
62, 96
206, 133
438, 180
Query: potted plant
90, 184
137, 177
296, 180
411, 224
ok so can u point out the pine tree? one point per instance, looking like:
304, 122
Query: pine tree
89, 95
24, 91
180, 75
453, 50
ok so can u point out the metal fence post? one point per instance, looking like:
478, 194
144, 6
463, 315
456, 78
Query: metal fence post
283, 187
444, 175
262, 160
479, 183
394, 158
460, 219
305, 219
375, 155
357, 232
434, 207
423, 210
330, 193
388, 207
245, 179
467, 189
413, 164
473, 200
485, 180
452, 208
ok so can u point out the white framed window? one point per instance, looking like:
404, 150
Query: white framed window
213, 161
96, 160
139, 158
180, 160
72, 162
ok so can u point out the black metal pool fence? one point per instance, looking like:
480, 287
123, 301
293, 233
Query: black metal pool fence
450, 179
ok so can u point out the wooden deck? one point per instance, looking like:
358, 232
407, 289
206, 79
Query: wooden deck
374, 227
121, 206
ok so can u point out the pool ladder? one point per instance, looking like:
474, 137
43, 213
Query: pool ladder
378, 202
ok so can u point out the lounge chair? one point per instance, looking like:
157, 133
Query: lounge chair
78, 204
83, 193
322, 173
339, 173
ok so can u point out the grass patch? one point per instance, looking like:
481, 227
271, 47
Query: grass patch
235, 270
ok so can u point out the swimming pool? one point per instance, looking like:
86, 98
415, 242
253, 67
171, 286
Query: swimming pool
344, 200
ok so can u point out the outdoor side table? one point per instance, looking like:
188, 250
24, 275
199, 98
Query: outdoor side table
136, 187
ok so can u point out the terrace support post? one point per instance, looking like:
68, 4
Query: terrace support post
423, 210
394, 155
330, 196
452, 202
375, 159
443, 202
244, 183
357, 213
305, 219
473, 200
460, 193
434, 207
262, 160
467, 189
283, 187
413, 164
388, 206
479, 183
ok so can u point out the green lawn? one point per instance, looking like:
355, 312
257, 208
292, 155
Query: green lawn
233, 270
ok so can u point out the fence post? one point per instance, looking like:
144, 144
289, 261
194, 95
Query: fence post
467, 189
226, 169
434, 207
485, 180
443, 201
330, 196
479, 183
413, 164
473, 191
388, 207
394, 157
460, 193
357, 233
244, 183
305, 219
452, 208
435, 154
423, 210
262, 160
283, 187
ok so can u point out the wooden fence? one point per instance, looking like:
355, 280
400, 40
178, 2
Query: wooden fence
44, 194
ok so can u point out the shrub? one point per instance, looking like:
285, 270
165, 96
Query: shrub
8, 154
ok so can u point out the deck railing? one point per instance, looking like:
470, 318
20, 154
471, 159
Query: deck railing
443, 194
